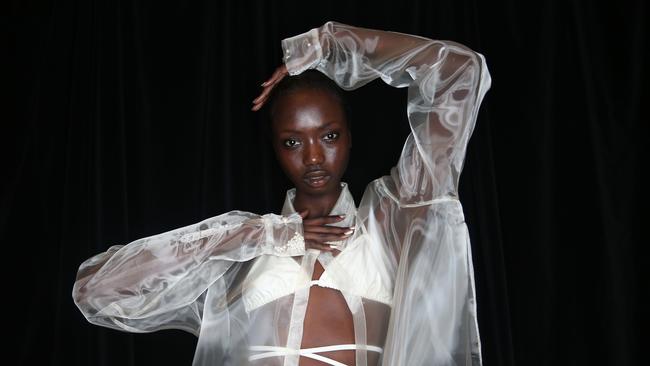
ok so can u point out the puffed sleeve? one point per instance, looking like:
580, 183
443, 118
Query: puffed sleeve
160, 281
414, 212
446, 82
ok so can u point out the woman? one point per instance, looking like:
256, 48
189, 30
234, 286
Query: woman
325, 282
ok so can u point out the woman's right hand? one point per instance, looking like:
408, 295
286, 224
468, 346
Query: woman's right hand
317, 232
268, 85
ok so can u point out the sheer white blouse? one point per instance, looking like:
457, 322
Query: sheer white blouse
241, 282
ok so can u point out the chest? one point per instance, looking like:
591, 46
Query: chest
363, 269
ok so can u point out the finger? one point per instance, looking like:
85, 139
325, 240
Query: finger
323, 237
274, 81
304, 214
325, 220
327, 229
262, 95
344, 232
277, 74
268, 81
274, 78
319, 246
268, 85
257, 106
280, 72
258, 103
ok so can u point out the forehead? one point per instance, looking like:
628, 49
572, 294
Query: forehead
307, 109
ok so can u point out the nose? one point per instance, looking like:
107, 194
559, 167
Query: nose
313, 154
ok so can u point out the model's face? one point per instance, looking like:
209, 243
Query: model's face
311, 140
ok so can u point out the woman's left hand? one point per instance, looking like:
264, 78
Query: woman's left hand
268, 85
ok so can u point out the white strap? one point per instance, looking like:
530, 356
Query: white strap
299, 308
273, 351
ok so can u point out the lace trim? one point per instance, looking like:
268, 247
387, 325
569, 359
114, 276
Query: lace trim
295, 244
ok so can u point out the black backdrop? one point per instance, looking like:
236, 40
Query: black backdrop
126, 119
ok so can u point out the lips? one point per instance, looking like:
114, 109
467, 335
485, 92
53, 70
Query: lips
316, 178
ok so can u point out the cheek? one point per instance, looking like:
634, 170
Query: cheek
339, 156
289, 161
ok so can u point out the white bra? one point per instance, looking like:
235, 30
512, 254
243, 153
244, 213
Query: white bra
361, 269
272, 277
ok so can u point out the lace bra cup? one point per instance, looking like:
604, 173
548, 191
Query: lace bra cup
363, 268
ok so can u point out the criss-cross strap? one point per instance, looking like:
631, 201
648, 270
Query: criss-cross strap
273, 351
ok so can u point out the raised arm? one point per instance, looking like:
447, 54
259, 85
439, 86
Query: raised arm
160, 281
446, 82
414, 211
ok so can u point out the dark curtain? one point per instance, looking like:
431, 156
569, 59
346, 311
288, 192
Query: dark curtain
129, 118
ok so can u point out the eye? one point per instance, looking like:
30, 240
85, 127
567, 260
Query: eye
331, 136
291, 143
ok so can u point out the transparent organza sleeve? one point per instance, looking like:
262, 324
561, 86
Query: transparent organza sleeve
160, 281
414, 212
446, 82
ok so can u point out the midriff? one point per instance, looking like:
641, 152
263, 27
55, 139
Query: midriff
328, 321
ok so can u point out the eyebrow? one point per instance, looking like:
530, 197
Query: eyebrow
323, 127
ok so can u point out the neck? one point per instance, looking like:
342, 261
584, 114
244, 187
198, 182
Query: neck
318, 206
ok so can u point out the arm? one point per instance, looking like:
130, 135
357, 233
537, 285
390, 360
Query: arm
433, 318
446, 83
159, 281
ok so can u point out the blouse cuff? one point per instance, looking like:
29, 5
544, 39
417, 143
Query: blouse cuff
302, 52
284, 235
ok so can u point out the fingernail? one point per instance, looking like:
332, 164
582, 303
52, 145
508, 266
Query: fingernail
342, 216
349, 232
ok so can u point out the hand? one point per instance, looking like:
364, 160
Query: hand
316, 231
268, 85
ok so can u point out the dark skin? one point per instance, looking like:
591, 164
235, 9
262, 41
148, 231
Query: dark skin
312, 141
